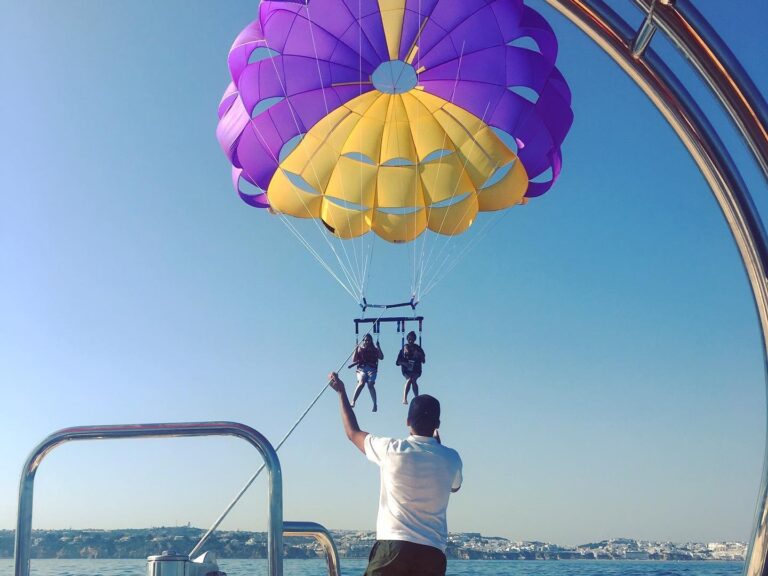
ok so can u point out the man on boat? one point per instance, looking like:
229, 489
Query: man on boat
418, 475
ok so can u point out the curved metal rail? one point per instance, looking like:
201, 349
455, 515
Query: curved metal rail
319, 533
26, 488
690, 32
692, 35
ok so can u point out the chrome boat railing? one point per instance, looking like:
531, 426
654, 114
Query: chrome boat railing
322, 535
692, 35
276, 526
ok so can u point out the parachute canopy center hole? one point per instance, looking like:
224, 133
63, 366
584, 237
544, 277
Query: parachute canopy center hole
394, 77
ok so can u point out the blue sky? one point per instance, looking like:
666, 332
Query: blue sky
597, 355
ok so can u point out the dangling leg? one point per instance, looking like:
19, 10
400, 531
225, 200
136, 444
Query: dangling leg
372, 390
361, 380
407, 389
415, 386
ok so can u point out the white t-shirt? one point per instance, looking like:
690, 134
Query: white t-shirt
417, 477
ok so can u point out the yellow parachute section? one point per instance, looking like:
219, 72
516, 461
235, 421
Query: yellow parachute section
397, 164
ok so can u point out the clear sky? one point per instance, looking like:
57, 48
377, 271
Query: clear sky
597, 356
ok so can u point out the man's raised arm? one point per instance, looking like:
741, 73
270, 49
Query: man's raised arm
348, 418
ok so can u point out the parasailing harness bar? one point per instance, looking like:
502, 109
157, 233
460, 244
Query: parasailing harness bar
412, 303
401, 322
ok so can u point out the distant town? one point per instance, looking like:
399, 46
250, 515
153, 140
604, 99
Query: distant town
140, 543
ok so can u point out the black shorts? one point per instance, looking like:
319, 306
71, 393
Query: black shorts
411, 369
400, 558
411, 373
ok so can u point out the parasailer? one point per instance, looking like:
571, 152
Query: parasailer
366, 362
410, 359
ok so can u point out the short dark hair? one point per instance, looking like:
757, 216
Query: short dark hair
424, 413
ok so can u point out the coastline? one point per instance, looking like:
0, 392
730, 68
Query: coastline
138, 543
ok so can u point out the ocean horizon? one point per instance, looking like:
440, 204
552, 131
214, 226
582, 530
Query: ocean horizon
356, 566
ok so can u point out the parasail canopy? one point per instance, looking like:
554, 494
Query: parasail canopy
394, 116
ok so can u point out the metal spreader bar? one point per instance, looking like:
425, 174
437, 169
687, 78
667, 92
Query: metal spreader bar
401, 322
412, 303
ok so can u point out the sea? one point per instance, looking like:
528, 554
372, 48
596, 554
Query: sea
356, 567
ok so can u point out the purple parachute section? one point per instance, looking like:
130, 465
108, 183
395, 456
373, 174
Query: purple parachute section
300, 61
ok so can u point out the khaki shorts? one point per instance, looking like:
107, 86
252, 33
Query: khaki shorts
400, 558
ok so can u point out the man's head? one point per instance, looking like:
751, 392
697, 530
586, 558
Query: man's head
411, 337
424, 415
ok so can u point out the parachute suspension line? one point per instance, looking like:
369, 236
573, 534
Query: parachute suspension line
298, 234
346, 269
414, 272
468, 247
416, 46
367, 268
464, 169
317, 59
415, 194
231, 505
475, 145
450, 261
422, 248
397, 144
363, 279
327, 112
444, 259
348, 288
353, 284
416, 182
424, 260
317, 256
